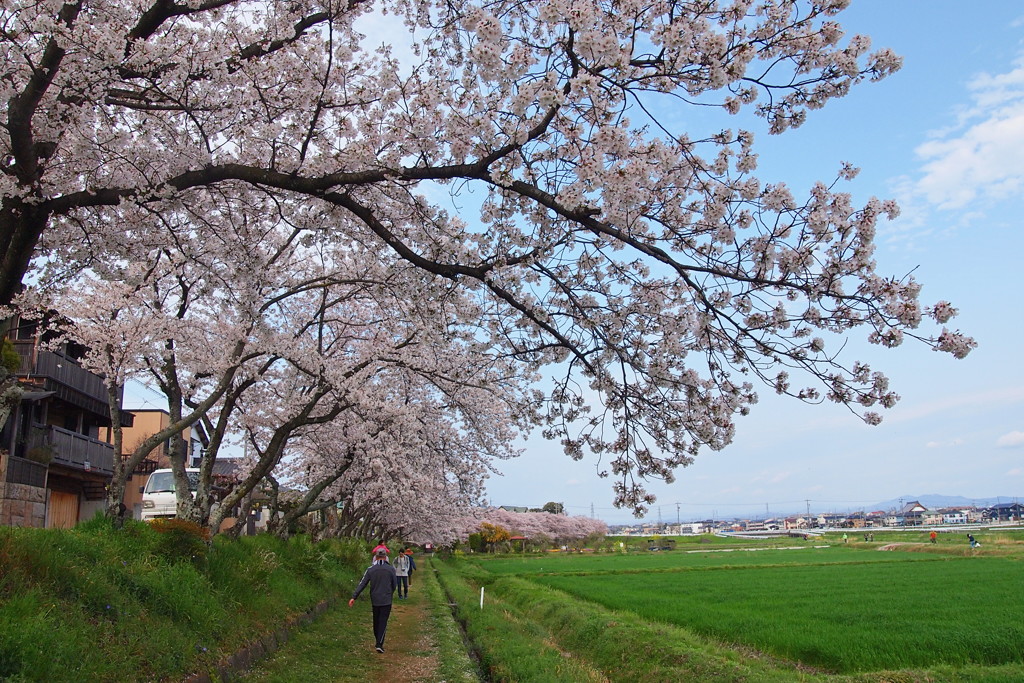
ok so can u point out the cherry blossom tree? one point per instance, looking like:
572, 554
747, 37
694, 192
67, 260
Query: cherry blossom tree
647, 265
535, 526
149, 324
295, 342
415, 444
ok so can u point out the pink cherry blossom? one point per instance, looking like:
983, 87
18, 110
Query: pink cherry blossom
270, 189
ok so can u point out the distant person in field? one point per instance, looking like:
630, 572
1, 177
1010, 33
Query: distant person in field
380, 576
846, 539
402, 570
971, 542
933, 536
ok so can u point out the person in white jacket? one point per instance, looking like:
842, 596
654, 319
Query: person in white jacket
402, 564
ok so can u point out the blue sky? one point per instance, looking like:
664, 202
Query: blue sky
944, 136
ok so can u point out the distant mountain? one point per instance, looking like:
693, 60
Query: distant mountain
935, 500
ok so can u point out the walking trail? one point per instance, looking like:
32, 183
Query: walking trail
338, 646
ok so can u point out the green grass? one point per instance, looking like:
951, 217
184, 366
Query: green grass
332, 649
848, 613
511, 646
455, 664
898, 614
338, 646
674, 560
92, 603
627, 647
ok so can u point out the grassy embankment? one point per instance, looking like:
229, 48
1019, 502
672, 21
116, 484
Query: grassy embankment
838, 614
92, 603
424, 644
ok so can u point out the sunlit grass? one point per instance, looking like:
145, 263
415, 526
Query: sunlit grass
95, 604
842, 617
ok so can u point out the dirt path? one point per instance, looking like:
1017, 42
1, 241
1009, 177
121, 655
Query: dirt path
411, 645
338, 646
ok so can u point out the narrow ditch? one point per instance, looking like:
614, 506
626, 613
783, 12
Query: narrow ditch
471, 649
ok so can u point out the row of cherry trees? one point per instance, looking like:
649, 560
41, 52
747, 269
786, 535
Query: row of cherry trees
497, 525
241, 203
318, 357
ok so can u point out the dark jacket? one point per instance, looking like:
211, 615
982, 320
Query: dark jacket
383, 582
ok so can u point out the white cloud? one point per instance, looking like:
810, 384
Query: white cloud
1015, 472
978, 160
1012, 440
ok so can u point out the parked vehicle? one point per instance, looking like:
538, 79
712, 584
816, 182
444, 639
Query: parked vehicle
159, 500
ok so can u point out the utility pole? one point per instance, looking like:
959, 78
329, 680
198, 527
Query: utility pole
678, 523
592, 511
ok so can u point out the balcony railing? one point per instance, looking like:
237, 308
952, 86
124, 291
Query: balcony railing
63, 373
59, 367
72, 449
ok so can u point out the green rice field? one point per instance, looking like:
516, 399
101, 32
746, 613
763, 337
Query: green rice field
930, 613
842, 617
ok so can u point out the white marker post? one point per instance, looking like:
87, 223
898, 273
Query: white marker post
481, 597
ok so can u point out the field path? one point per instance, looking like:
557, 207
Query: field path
411, 643
338, 646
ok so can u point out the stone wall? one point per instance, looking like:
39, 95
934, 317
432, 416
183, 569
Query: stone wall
20, 505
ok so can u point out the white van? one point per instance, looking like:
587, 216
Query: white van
158, 498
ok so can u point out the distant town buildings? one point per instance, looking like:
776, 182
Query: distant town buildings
911, 514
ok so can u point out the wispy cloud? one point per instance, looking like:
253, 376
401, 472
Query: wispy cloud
977, 160
1013, 439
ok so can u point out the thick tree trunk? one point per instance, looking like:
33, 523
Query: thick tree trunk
20, 228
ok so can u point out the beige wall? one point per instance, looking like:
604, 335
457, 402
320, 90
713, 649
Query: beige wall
146, 423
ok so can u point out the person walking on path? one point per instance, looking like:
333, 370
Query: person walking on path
402, 571
380, 576
412, 563
379, 547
